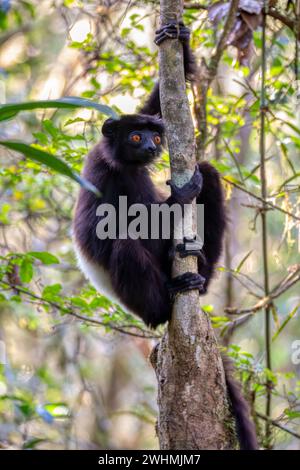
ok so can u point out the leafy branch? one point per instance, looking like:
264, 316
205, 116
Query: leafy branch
124, 329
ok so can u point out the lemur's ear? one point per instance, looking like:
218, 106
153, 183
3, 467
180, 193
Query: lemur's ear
109, 127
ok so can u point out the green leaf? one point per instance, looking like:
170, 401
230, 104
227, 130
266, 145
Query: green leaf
58, 410
79, 302
26, 270
26, 409
44, 257
239, 267
51, 291
72, 121
32, 443
291, 413
296, 175
286, 321
207, 308
51, 161
8, 111
285, 153
234, 159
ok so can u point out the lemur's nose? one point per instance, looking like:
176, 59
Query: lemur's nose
151, 147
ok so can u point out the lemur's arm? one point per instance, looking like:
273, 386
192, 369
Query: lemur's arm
171, 30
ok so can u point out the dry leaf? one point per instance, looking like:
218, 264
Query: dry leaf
248, 19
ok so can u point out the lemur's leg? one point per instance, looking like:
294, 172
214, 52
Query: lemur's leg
212, 198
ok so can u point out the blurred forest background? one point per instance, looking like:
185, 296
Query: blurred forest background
74, 370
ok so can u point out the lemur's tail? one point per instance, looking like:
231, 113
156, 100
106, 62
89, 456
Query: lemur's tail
245, 426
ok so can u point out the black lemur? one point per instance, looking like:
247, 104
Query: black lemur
137, 272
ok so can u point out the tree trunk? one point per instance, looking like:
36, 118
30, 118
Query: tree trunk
193, 407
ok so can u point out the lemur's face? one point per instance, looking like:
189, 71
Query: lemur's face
134, 139
142, 146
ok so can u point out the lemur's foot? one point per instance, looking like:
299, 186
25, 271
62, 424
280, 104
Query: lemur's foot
172, 30
191, 247
190, 190
186, 282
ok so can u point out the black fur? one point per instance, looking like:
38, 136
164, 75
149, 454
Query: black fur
245, 427
140, 270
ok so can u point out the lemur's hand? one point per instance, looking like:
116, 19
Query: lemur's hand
187, 193
172, 30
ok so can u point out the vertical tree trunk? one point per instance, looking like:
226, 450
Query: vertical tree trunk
193, 406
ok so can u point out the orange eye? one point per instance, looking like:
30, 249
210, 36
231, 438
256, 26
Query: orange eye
136, 138
157, 139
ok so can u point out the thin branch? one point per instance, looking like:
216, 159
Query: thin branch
288, 280
13, 32
114, 327
286, 20
263, 177
278, 425
262, 200
222, 44
237, 275
268, 300
195, 6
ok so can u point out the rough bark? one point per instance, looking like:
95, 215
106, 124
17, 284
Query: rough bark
193, 407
